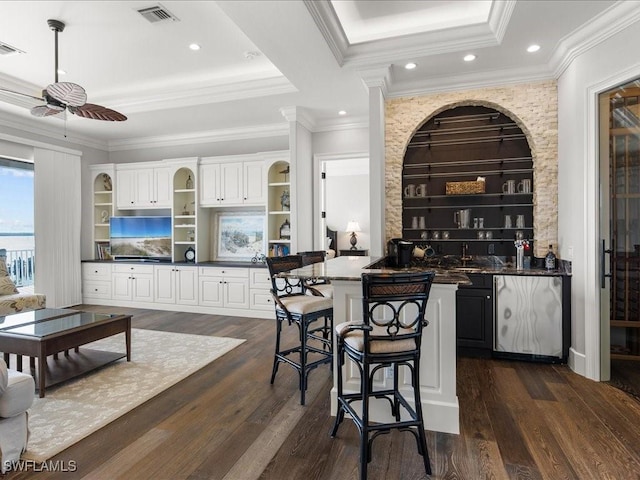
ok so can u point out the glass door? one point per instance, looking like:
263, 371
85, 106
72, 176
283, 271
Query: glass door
620, 222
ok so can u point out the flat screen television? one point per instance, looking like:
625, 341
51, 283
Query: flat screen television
141, 237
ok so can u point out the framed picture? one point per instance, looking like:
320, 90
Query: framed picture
239, 235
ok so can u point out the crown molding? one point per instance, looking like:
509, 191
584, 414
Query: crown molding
327, 22
616, 18
192, 96
476, 80
353, 123
37, 127
297, 114
223, 135
388, 50
376, 77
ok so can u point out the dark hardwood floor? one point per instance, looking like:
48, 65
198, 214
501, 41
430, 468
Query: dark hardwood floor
518, 421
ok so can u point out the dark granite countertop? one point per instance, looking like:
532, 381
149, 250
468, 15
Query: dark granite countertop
197, 264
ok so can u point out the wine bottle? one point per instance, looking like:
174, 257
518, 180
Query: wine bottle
550, 259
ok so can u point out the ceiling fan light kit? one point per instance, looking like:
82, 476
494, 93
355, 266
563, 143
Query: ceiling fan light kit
61, 96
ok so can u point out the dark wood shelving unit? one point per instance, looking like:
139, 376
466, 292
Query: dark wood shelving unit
459, 145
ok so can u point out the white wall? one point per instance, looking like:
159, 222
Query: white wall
606, 65
341, 141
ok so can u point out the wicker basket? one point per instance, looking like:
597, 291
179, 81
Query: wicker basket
464, 188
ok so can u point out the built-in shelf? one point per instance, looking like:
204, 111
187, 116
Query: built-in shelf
460, 145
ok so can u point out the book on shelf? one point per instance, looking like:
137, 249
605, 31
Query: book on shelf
103, 251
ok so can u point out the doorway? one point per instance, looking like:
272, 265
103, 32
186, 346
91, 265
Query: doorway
620, 233
342, 197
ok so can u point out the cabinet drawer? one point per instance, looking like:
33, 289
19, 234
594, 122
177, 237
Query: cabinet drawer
96, 289
260, 278
227, 272
261, 299
96, 271
129, 268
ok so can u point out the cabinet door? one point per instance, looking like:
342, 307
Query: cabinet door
121, 286
164, 285
144, 188
254, 183
209, 185
231, 183
474, 318
236, 293
186, 285
142, 287
211, 291
125, 189
163, 187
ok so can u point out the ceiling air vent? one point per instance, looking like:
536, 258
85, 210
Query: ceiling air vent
6, 49
157, 14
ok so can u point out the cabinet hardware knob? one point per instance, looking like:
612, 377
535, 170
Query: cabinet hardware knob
488, 297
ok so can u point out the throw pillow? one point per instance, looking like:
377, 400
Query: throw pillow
7, 287
3, 268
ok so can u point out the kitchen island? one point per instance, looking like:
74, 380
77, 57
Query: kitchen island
438, 357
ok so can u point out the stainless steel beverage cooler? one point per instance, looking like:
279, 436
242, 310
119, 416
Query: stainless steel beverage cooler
528, 316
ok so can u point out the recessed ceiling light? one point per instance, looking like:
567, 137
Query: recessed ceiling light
533, 48
469, 58
194, 46
342, 112
410, 66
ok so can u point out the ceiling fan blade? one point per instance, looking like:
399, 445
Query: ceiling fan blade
21, 94
68, 93
44, 111
97, 112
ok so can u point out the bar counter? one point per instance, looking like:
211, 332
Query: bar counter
438, 356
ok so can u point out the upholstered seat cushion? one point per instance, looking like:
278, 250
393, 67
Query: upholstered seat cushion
326, 289
355, 339
305, 304
17, 391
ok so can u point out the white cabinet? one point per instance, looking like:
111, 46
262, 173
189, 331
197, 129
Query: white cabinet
260, 289
132, 282
224, 287
146, 187
254, 183
96, 281
224, 183
176, 284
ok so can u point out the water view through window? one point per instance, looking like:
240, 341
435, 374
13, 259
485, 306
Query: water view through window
16, 219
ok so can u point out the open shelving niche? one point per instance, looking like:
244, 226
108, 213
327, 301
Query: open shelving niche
459, 145
103, 208
185, 215
277, 215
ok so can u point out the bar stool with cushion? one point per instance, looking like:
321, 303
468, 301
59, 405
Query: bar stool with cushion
317, 285
390, 335
294, 306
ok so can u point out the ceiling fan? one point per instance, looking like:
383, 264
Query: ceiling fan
61, 96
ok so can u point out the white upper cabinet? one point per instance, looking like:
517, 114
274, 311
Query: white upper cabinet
143, 187
254, 183
227, 181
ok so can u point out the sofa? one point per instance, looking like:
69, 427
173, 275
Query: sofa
11, 300
16, 397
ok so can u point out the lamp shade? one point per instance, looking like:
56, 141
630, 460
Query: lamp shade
352, 226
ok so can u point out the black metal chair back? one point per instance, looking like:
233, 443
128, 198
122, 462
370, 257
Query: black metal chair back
312, 256
284, 286
396, 304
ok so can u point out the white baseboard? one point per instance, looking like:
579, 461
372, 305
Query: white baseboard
577, 362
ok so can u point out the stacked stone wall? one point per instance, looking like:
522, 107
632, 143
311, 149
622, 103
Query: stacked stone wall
533, 106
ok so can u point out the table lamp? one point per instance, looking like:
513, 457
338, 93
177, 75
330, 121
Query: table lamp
353, 227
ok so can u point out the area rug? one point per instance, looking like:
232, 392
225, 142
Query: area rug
75, 409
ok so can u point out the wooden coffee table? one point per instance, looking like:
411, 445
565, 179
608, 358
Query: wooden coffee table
48, 331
